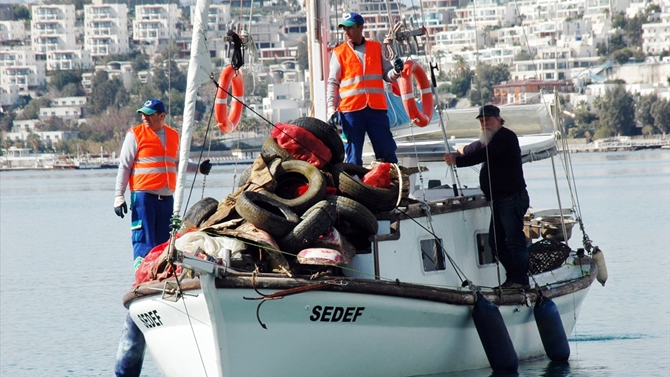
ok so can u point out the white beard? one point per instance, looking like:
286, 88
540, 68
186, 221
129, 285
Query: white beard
485, 136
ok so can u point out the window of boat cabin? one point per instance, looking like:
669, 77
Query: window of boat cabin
432, 255
484, 250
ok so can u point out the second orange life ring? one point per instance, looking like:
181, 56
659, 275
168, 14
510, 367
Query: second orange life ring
423, 117
224, 120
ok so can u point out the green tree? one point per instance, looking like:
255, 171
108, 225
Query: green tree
104, 92
461, 78
643, 109
32, 110
622, 56
660, 110
7, 120
617, 112
21, 12
62, 78
485, 77
523, 55
73, 90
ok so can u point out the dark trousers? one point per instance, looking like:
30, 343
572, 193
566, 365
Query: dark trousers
506, 235
130, 355
376, 124
150, 226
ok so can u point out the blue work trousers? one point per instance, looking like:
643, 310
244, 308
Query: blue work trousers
150, 222
508, 240
130, 355
376, 124
150, 216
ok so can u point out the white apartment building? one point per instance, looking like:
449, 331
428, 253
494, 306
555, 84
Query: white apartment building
69, 101
483, 15
64, 60
12, 31
285, 101
461, 40
26, 77
606, 6
52, 28
155, 25
9, 95
15, 56
65, 113
656, 36
114, 69
106, 29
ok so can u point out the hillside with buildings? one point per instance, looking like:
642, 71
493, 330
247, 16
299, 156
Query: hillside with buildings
78, 74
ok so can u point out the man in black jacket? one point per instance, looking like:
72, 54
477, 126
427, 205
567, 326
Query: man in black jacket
501, 179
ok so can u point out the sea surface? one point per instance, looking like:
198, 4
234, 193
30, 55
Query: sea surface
66, 261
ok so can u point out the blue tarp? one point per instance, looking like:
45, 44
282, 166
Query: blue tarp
396, 112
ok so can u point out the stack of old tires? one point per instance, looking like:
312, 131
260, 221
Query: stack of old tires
334, 196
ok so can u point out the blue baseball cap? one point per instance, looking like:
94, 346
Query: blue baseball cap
351, 19
152, 106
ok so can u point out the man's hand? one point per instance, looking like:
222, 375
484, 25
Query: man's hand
205, 167
450, 158
334, 120
398, 65
120, 207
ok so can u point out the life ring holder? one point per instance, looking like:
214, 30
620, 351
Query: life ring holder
227, 121
419, 117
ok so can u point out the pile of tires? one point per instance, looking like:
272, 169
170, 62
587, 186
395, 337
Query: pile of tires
330, 197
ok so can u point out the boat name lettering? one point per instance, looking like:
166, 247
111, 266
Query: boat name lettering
150, 319
336, 313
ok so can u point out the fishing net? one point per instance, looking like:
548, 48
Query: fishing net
547, 255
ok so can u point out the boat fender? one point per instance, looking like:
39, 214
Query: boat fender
599, 258
425, 115
552, 333
224, 120
494, 336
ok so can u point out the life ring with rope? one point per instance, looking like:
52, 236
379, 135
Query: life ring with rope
227, 121
419, 117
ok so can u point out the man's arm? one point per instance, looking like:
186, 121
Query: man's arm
126, 162
333, 87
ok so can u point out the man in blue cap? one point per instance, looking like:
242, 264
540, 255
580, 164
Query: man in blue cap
501, 179
148, 164
356, 90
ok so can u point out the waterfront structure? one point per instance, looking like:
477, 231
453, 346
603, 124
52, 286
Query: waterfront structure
106, 29
52, 29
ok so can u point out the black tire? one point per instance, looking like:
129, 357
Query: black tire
271, 147
354, 220
298, 171
314, 223
244, 177
374, 198
266, 213
326, 133
200, 211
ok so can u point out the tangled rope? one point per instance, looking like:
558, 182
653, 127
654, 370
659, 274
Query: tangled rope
237, 61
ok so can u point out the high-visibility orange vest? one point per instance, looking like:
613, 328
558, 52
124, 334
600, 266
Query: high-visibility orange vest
359, 89
155, 165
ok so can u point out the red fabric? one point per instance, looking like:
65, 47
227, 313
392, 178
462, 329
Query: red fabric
145, 271
330, 190
379, 176
301, 144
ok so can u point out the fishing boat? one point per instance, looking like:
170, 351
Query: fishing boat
235, 294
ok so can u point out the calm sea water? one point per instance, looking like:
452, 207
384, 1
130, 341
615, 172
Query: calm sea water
66, 261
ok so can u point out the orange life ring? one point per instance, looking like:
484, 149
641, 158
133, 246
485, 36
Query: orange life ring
423, 117
224, 120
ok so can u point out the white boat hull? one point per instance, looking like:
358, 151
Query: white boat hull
329, 333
